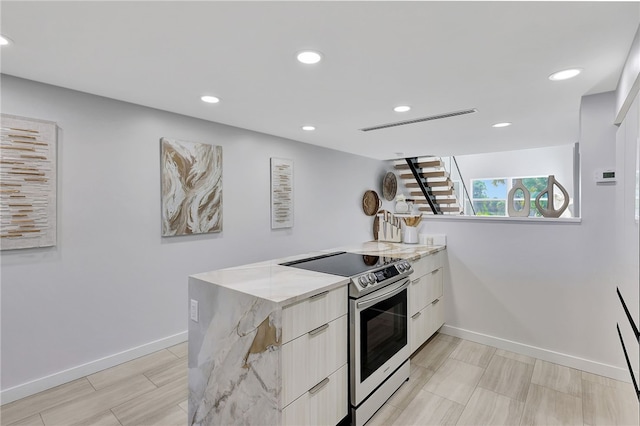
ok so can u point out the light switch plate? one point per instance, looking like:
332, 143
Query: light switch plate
194, 310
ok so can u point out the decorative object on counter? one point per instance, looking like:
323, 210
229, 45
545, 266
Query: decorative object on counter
389, 227
191, 187
411, 229
401, 204
551, 211
389, 186
371, 202
28, 189
281, 193
526, 195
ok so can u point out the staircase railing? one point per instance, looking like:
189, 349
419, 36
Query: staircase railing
465, 197
421, 180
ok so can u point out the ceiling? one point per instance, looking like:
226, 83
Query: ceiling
437, 57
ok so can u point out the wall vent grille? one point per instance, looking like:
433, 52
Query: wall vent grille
420, 120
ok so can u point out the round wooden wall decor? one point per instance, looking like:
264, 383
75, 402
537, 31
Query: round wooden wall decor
389, 186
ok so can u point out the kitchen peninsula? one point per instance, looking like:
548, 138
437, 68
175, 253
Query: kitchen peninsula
268, 343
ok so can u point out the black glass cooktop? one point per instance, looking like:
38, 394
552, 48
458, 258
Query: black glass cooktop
341, 263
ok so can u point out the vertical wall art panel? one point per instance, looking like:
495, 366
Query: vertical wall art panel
191, 187
27, 183
281, 193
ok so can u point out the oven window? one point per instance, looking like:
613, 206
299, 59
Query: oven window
383, 332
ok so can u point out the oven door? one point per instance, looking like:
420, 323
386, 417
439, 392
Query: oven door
378, 337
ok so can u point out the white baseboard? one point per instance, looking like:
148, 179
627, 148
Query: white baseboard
589, 366
65, 376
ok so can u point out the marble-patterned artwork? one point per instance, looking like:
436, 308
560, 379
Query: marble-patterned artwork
281, 193
191, 187
27, 183
234, 358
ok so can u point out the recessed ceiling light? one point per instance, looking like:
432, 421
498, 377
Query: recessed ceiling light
308, 128
309, 57
402, 108
565, 74
501, 125
4, 41
210, 99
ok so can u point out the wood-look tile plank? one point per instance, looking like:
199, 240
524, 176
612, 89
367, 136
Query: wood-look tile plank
507, 377
180, 350
185, 406
31, 405
557, 377
435, 352
150, 406
607, 381
34, 420
168, 372
609, 405
447, 337
88, 406
103, 419
409, 389
473, 353
455, 380
384, 416
429, 409
548, 407
491, 409
169, 416
518, 357
134, 367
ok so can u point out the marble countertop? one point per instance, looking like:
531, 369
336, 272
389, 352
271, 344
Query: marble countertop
285, 285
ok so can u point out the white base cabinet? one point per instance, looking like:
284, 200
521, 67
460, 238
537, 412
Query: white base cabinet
426, 312
324, 404
314, 360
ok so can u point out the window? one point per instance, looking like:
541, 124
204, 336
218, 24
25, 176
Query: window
489, 196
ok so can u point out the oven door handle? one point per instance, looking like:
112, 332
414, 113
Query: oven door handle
367, 303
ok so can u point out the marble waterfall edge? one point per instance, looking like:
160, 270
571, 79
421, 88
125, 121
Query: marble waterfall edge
234, 358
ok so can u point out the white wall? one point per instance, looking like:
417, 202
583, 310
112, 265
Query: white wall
546, 289
629, 82
112, 283
552, 160
627, 255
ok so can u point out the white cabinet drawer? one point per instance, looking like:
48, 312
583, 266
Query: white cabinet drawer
310, 358
427, 264
323, 404
436, 317
424, 290
424, 323
417, 329
311, 313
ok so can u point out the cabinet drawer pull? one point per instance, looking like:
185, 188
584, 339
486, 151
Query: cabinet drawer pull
415, 281
416, 315
318, 330
319, 295
435, 301
319, 386
435, 271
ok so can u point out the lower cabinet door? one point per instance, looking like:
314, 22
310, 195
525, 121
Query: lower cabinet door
312, 357
436, 316
425, 323
418, 328
326, 403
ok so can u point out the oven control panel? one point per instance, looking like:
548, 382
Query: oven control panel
380, 276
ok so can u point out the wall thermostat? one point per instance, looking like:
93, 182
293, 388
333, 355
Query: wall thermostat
605, 175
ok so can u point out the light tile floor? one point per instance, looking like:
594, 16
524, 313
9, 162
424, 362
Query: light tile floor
453, 382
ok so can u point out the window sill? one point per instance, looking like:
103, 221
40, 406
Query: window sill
503, 219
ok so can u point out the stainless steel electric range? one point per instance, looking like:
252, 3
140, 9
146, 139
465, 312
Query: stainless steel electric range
378, 325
